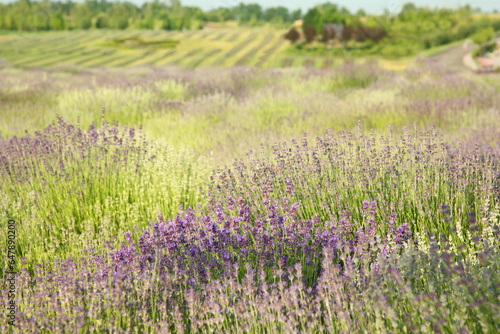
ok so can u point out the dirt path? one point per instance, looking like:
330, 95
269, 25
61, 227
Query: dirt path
452, 58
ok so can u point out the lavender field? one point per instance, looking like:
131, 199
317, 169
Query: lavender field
167, 200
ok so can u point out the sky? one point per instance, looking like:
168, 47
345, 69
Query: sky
373, 7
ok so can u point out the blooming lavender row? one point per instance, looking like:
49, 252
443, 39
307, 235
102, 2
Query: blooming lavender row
65, 181
409, 179
233, 274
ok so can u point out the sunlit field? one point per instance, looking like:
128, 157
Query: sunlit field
115, 48
247, 199
213, 46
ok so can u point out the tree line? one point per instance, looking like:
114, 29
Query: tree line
398, 34
28, 15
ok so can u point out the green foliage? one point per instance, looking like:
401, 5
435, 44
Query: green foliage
432, 27
312, 19
413, 29
82, 16
488, 47
171, 22
483, 35
220, 15
146, 23
120, 16
120, 23
277, 14
325, 13
399, 48
331, 14
57, 21
197, 24
249, 13
295, 15
101, 21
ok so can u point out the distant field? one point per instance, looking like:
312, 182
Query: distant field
209, 47
225, 47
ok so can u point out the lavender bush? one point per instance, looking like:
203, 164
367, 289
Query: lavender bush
212, 273
64, 182
407, 180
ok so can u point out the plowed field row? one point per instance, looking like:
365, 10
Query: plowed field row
102, 48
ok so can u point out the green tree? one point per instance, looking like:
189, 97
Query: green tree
171, 21
102, 21
20, 16
361, 13
312, 19
41, 12
219, 15
165, 21
296, 15
120, 14
247, 13
99, 6
408, 13
82, 16
3, 9
145, 23
57, 21
9, 22
176, 22
277, 14
482, 36
331, 14
153, 9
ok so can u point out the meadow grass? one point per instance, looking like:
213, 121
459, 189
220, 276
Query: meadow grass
387, 222
241, 104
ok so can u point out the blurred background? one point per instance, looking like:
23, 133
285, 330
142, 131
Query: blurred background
195, 33
222, 77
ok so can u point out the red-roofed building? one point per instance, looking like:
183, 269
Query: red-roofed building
485, 63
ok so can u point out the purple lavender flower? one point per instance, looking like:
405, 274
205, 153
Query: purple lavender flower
230, 202
128, 236
366, 203
392, 220
288, 186
219, 214
373, 208
403, 233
